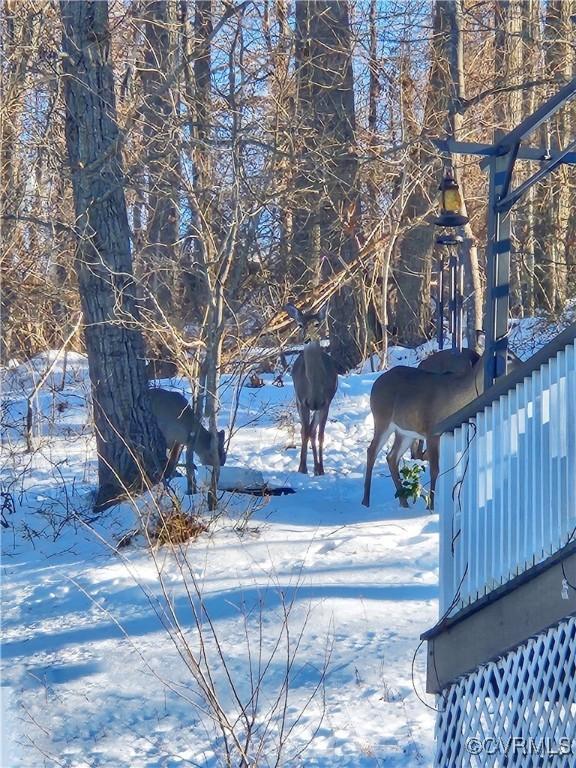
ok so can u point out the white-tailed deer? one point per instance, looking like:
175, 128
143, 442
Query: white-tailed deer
409, 402
444, 361
161, 369
447, 361
180, 428
315, 378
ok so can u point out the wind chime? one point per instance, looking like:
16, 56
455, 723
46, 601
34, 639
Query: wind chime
450, 217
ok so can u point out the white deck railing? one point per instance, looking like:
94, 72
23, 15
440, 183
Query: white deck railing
507, 485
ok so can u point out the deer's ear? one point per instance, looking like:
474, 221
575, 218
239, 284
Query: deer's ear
294, 313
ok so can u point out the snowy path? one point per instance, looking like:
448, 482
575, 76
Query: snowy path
92, 678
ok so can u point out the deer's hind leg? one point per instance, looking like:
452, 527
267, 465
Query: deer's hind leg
434, 460
304, 414
322, 417
190, 466
173, 457
401, 443
381, 435
418, 450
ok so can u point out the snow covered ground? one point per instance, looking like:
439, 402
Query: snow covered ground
303, 612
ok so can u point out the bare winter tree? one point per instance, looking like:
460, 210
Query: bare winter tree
256, 168
553, 216
130, 445
162, 147
326, 220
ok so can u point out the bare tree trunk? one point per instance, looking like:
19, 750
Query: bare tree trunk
531, 68
327, 220
559, 57
469, 249
17, 45
282, 96
376, 314
553, 195
162, 148
413, 265
508, 70
130, 445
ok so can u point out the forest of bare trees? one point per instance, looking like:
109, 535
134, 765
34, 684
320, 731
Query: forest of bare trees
177, 171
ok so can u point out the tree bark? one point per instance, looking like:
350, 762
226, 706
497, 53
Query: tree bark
413, 265
327, 218
162, 149
531, 68
198, 73
130, 446
413, 268
508, 70
17, 45
552, 196
469, 251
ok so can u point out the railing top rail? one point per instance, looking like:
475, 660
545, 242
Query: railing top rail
506, 383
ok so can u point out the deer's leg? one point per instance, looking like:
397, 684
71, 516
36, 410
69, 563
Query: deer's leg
323, 417
190, 466
401, 443
379, 440
173, 457
434, 459
418, 451
304, 414
313, 440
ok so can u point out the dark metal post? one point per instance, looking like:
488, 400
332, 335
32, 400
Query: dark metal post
456, 302
459, 305
498, 270
453, 301
440, 307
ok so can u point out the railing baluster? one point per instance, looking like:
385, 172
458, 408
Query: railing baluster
537, 514
447, 562
568, 522
554, 454
471, 436
479, 513
545, 464
494, 538
460, 504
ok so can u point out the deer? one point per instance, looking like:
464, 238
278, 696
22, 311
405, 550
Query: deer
447, 361
161, 369
444, 361
315, 377
180, 428
409, 402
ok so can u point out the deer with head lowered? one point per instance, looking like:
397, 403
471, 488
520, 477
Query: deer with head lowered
180, 428
448, 361
315, 378
409, 402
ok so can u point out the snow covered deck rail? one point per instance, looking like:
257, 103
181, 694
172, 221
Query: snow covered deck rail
507, 485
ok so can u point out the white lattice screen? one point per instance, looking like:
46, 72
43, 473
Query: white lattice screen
529, 695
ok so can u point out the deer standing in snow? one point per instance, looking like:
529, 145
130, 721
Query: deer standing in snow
447, 361
315, 378
180, 428
409, 402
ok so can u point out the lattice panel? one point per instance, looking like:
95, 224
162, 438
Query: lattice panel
518, 712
